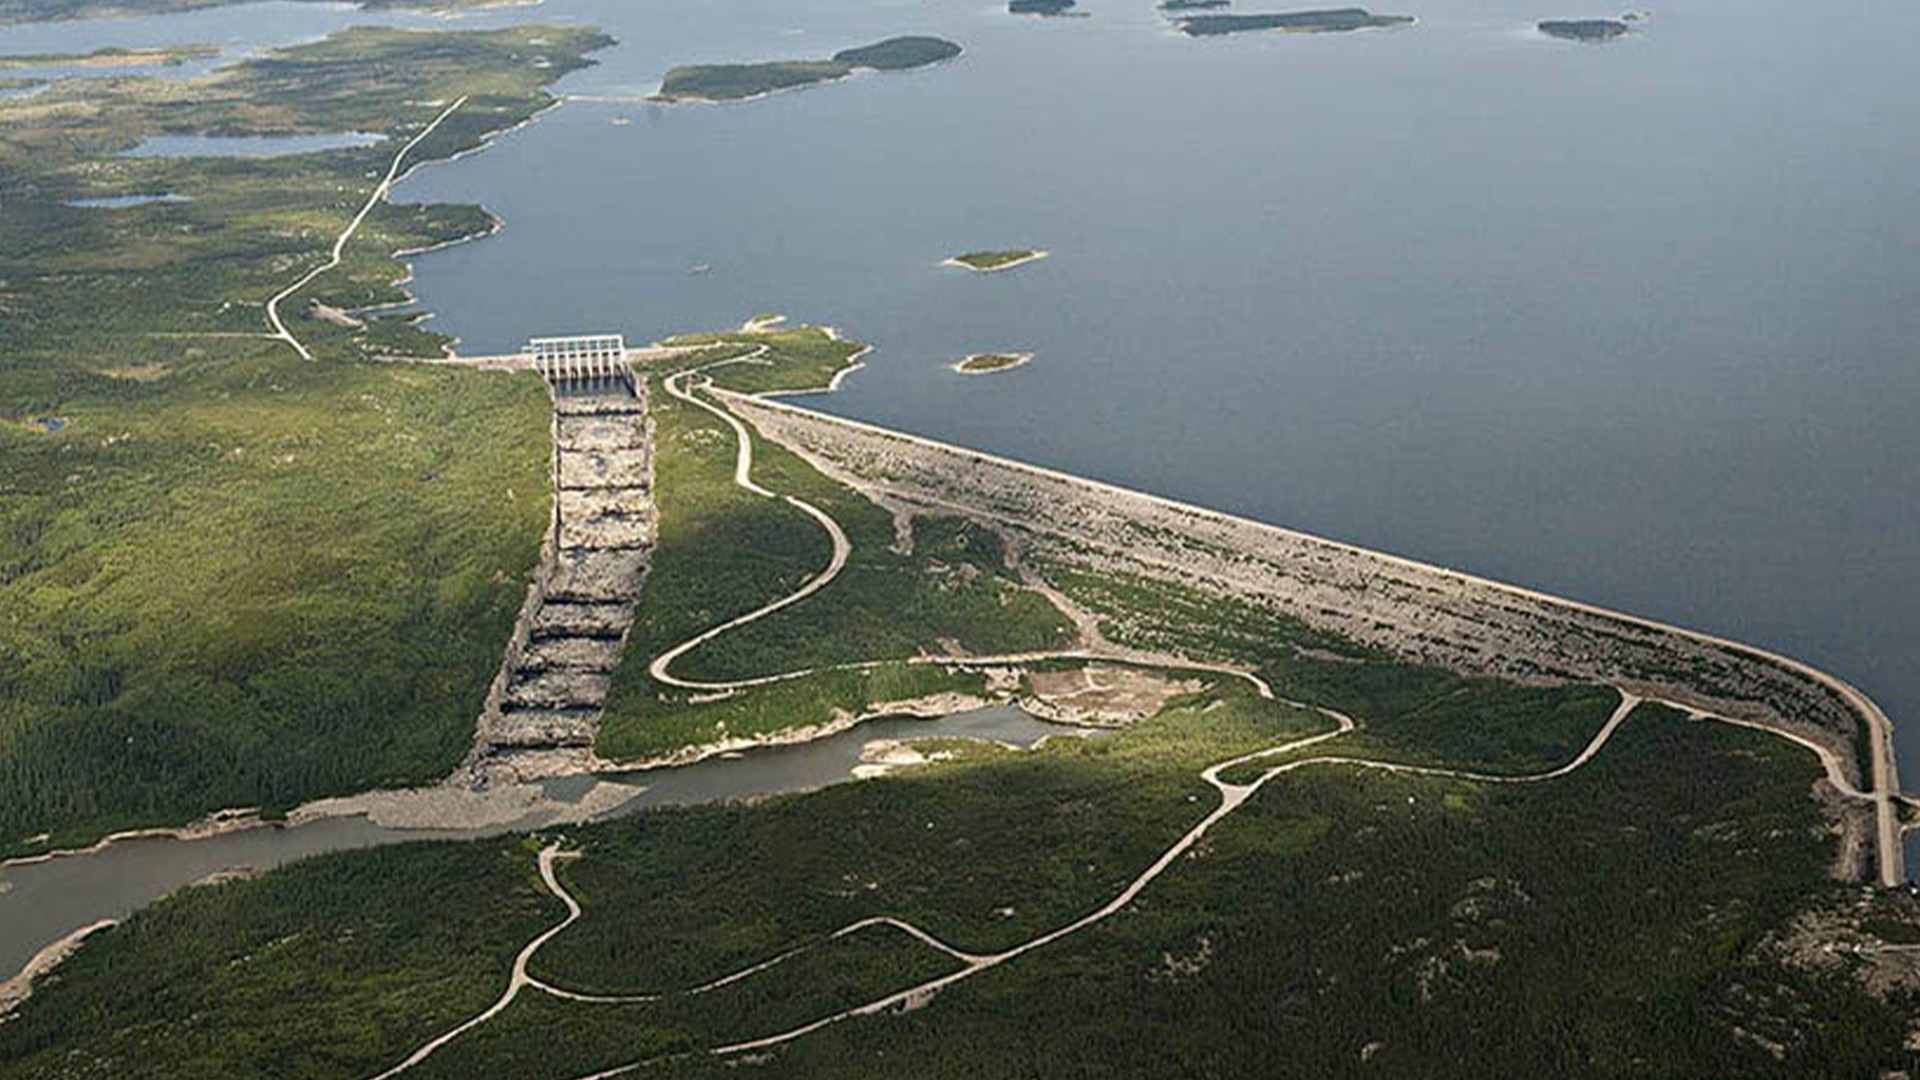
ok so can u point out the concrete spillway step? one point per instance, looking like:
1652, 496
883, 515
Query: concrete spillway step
571, 653
610, 432
607, 531
594, 502
581, 620
539, 728
610, 404
556, 689
604, 468
597, 576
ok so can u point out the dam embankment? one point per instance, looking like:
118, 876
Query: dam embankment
1415, 611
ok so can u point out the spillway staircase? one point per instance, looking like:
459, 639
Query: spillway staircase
544, 708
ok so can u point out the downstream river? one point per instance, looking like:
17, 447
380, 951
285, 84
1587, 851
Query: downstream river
42, 902
1633, 323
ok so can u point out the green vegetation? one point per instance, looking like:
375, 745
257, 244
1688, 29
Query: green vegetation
723, 551
899, 53
996, 260
111, 57
1428, 926
320, 969
1585, 29
1194, 5
980, 363
1573, 928
732, 82
229, 577
1334, 20
254, 582
25, 11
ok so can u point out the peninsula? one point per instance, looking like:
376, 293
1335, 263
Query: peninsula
1335, 20
738, 82
989, 262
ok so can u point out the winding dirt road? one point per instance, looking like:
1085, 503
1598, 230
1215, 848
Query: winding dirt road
380, 191
660, 669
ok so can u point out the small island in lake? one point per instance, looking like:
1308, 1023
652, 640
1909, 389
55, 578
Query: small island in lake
982, 363
1193, 5
736, 82
1333, 20
1585, 29
987, 262
1040, 7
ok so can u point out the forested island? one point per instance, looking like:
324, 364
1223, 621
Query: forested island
219, 677
27, 11
982, 363
987, 262
1585, 29
735, 82
1335, 20
1193, 5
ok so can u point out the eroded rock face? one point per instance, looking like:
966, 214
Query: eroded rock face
545, 707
